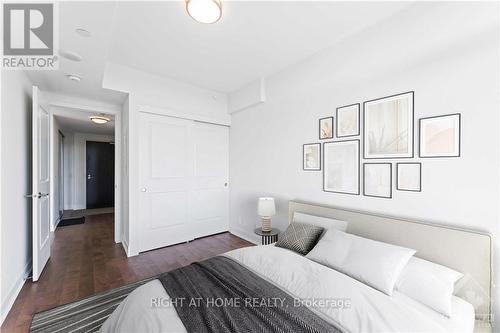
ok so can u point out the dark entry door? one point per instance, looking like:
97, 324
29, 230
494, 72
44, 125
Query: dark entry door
100, 174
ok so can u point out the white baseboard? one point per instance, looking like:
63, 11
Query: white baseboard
13, 293
57, 222
125, 246
248, 236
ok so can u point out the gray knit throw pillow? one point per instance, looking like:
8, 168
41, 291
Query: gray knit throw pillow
300, 237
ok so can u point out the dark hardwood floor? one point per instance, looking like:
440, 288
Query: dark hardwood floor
85, 261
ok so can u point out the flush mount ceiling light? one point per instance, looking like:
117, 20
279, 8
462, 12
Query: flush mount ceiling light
100, 119
73, 56
82, 32
74, 77
204, 11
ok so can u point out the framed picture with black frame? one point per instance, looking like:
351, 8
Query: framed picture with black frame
311, 157
439, 136
341, 167
326, 128
348, 121
377, 180
388, 127
409, 176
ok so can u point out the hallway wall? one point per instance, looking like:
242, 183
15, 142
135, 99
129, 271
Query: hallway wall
15, 209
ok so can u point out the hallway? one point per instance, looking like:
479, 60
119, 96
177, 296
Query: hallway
86, 261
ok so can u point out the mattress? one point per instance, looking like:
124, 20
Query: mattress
357, 307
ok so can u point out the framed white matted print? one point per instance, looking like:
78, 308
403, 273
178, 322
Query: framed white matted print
341, 167
347, 120
440, 136
377, 180
311, 159
326, 128
388, 127
409, 177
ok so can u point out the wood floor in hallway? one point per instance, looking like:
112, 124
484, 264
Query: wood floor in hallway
86, 261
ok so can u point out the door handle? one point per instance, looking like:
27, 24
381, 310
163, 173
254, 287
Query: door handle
37, 196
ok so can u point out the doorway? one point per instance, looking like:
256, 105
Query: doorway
100, 174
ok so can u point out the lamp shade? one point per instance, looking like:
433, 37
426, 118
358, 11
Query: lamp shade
266, 207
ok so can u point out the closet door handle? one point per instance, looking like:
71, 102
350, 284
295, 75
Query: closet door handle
36, 196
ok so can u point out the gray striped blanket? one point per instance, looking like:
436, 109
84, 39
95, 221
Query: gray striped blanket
220, 295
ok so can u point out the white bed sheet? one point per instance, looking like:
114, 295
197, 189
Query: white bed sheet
462, 319
370, 310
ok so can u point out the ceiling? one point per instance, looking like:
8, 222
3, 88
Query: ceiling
252, 40
97, 18
79, 122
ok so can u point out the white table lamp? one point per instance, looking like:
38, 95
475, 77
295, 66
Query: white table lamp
266, 209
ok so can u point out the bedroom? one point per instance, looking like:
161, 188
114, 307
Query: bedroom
281, 100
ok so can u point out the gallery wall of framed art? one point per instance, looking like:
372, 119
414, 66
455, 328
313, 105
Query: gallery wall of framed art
362, 146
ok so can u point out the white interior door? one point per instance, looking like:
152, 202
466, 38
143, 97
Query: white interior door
209, 196
41, 186
166, 178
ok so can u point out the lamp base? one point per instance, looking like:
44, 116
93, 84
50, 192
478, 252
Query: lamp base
266, 224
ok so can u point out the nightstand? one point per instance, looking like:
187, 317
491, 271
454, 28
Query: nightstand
268, 237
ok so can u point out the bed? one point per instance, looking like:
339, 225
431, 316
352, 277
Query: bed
359, 308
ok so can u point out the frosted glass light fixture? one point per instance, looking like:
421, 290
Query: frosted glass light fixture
266, 209
204, 11
100, 119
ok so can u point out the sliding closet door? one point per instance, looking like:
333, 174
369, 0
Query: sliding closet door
166, 180
209, 199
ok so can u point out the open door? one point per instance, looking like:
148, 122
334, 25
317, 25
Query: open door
41, 186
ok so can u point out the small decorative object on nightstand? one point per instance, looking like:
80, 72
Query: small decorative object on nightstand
266, 210
268, 237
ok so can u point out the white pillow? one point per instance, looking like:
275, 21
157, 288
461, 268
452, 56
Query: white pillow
429, 283
324, 222
374, 263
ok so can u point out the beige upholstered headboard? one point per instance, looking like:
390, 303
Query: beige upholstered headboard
466, 251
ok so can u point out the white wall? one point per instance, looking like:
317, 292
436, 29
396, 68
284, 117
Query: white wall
125, 174
68, 161
447, 53
15, 211
247, 96
167, 94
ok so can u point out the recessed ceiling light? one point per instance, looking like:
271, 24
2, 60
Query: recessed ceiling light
73, 56
74, 77
100, 119
83, 32
204, 11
